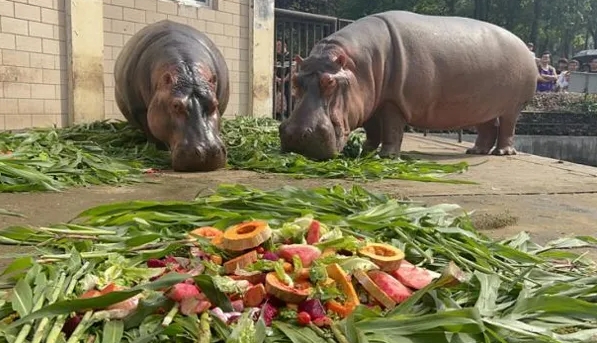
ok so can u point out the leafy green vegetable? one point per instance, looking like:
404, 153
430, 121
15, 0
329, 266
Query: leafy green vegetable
512, 290
114, 153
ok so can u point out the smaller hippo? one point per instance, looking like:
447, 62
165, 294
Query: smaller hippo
398, 68
172, 82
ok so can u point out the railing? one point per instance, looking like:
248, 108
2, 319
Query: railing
295, 34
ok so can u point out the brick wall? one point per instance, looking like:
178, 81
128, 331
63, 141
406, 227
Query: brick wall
33, 77
32, 63
226, 22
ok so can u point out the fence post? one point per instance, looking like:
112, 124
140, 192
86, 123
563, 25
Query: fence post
261, 59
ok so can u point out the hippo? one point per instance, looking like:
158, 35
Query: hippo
172, 83
394, 68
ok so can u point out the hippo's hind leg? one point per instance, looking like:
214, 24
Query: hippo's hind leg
392, 125
505, 139
373, 131
487, 133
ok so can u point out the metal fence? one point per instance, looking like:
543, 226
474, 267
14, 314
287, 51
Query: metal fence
295, 34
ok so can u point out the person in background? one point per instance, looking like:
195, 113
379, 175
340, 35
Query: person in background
547, 74
564, 77
562, 65
593, 66
573, 65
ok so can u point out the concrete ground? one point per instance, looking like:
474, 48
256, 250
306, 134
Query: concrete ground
545, 197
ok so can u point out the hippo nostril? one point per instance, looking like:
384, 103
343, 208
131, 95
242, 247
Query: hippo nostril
306, 133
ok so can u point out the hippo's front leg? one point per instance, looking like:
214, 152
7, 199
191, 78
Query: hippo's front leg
486, 135
392, 131
373, 131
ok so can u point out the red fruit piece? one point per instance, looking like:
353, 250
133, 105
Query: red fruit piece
412, 276
314, 232
182, 291
392, 287
155, 263
238, 305
307, 253
303, 318
313, 307
269, 313
254, 296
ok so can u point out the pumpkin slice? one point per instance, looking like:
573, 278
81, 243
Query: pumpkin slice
205, 231
345, 286
241, 261
387, 257
373, 289
246, 235
288, 294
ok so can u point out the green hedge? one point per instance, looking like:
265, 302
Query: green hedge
563, 103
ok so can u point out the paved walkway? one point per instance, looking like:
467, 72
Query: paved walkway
542, 196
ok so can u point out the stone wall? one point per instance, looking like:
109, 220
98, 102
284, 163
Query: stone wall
33, 89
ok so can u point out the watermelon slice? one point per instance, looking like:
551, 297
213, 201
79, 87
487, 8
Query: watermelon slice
392, 287
412, 276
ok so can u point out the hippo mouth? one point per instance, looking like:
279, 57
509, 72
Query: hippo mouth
198, 157
319, 143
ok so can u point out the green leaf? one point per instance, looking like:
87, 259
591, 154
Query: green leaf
298, 334
215, 296
67, 306
21, 298
490, 285
18, 265
113, 331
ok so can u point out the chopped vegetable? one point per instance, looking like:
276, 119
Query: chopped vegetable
247, 235
387, 257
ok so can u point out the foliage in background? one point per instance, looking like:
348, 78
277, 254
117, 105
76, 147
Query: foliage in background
563, 27
114, 153
515, 290
563, 103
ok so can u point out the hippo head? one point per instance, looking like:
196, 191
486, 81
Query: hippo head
184, 114
325, 109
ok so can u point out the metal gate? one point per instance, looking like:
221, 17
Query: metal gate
295, 34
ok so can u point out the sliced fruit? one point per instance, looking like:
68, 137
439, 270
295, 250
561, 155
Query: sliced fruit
373, 289
412, 276
182, 291
288, 294
205, 231
314, 232
191, 306
328, 251
307, 253
387, 257
246, 235
254, 296
392, 287
252, 279
345, 286
241, 262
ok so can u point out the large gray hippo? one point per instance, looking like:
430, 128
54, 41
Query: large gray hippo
395, 68
172, 83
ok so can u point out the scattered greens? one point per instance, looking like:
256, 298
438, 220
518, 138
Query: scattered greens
513, 291
114, 153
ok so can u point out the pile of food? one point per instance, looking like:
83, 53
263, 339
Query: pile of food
291, 265
114, 153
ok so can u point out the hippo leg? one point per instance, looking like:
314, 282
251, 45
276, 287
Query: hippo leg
392, 131
373, 130
486, 135
505, 140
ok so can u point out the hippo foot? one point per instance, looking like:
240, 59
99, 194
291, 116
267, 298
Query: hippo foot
389, 154
506, 151
478, 151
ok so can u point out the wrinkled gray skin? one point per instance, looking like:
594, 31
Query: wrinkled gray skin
396, 68
172, 83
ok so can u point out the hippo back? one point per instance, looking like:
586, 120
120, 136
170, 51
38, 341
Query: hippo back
440, 71
163, 43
